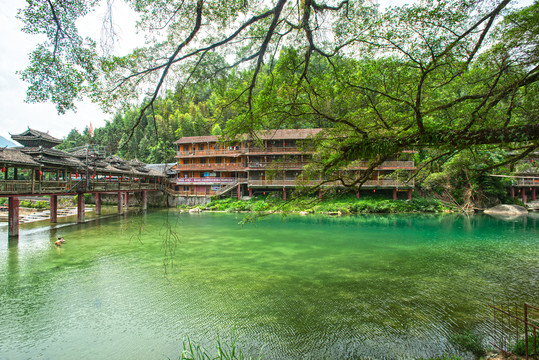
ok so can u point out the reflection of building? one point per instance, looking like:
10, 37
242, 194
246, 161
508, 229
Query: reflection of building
273, 160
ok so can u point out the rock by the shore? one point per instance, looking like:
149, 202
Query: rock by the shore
194, 210
506, 209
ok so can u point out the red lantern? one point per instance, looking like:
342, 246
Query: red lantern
4, 169
40, 172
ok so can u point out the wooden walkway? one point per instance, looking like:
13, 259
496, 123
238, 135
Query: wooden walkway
16, 189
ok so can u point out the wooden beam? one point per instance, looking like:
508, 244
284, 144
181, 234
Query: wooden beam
13, 214
98, 203
120, 203
80, 207
54, 208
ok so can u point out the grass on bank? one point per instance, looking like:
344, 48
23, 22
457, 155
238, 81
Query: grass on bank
344, 204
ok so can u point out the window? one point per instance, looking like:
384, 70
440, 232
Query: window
185, 188
200, 146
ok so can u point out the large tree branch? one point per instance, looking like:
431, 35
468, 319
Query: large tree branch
195, 30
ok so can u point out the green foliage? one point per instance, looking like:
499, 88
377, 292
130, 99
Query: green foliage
41, 204
519, 348
469, 341
224, 351
3, 201
341, 204
445, 357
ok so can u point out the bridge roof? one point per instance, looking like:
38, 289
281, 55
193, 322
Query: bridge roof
11, 156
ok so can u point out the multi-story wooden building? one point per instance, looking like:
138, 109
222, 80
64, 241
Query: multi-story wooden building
272, 160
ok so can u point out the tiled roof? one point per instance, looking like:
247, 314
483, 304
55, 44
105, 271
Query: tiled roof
35, 135
284, 134
281, 134
14, 156
196, 139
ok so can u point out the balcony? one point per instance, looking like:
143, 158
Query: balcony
381, 183
274, 150
211, 166
277, 164
526, 181
388, 165
229, 151
237, 151
204, 180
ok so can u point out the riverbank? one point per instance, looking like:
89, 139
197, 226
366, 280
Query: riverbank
338, 205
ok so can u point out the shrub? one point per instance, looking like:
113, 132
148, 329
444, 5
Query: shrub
469, 341
519, 348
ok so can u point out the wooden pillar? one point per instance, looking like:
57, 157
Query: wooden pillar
284, 194
144, 200
126, 203
120, 203
13, 214
410, 194
533, 194
512, 192
5, 174
250, 192
319, 194
239, 191
394, 194
357, 194
80, 207
15, 174
33, 179
524, 196
54, 208
98, 203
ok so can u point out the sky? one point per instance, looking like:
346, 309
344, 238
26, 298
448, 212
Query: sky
16, 115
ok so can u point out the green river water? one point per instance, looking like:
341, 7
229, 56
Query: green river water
311, 287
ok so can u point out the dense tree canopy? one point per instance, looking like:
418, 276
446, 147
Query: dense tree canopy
452, 75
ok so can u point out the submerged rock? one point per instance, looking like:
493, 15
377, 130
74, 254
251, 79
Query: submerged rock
194, 210
506, 210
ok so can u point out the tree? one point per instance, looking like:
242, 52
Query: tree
73, 139
448, 74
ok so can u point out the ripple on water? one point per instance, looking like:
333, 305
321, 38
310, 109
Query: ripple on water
376, 287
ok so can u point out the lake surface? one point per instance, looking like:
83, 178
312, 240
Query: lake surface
311, 287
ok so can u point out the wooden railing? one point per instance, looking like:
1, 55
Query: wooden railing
386, 164
289, 165
209, 166
526, 181
204, 180
369, 183
277, 164
237, 151
17, 187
